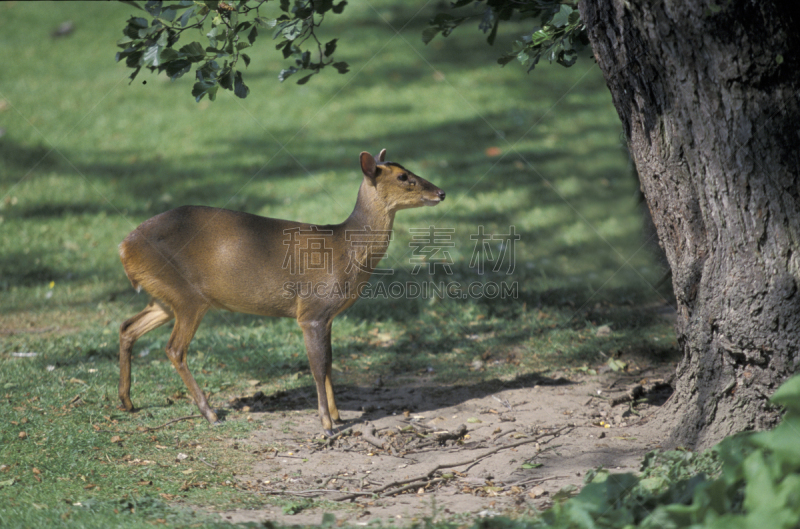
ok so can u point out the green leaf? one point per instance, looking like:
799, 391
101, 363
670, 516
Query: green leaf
341, 67
293, 30
565, 493
338, 8
184, 20
177, 68
150, 57
239, 88
193, 52
251, 37
429, 33
167, 55
225, 78
505, 59
788, 395
330, 47
286, 49
567, 57
138, 22
305, 79
561, 18
212, 35
246, 59
168, 14
617, 365
285, 73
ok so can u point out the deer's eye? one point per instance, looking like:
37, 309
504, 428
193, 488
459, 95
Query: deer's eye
403, 177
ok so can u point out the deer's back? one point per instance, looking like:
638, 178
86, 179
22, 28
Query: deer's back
211, 256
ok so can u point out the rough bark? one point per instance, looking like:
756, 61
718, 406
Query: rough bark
708, 92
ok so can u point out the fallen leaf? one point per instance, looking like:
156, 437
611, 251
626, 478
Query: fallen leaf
617, 365
536, 492
566, 492
603, 330
116, 439
23, 435
493, 151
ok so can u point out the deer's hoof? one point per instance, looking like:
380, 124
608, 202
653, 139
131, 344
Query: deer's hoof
328, 433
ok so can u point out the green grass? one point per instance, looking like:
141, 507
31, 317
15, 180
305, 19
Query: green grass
85, 157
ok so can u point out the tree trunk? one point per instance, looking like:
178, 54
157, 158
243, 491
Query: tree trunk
709, 96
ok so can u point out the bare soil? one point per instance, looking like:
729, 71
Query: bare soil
432, 451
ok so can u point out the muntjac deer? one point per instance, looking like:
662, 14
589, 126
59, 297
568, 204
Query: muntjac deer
193, 258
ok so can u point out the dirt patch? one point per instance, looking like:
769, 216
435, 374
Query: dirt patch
425, 451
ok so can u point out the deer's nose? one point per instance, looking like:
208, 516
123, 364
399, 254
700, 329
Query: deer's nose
441, 194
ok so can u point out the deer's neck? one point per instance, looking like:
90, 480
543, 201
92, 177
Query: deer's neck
368, 229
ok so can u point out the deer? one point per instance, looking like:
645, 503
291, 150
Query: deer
194, 258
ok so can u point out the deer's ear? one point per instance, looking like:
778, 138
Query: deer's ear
368, 166
382, 156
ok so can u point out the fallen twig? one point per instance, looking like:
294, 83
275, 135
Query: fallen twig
310, 492
385, 490
414, 485
154, 428
533, 480
212, 465
343, 433
504, 403
501, 434
368, 435
632, 394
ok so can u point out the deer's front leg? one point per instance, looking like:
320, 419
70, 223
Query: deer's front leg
317, 336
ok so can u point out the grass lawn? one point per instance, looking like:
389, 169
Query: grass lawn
85, 157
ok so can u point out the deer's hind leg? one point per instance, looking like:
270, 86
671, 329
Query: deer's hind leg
153, 316
186, 323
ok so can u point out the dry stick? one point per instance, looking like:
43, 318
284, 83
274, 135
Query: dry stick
501, 434
310, 491
416, 484
533, 480
153, 429
306, 492
212, 465
337, 435
504, 403
382, 490
368, 434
